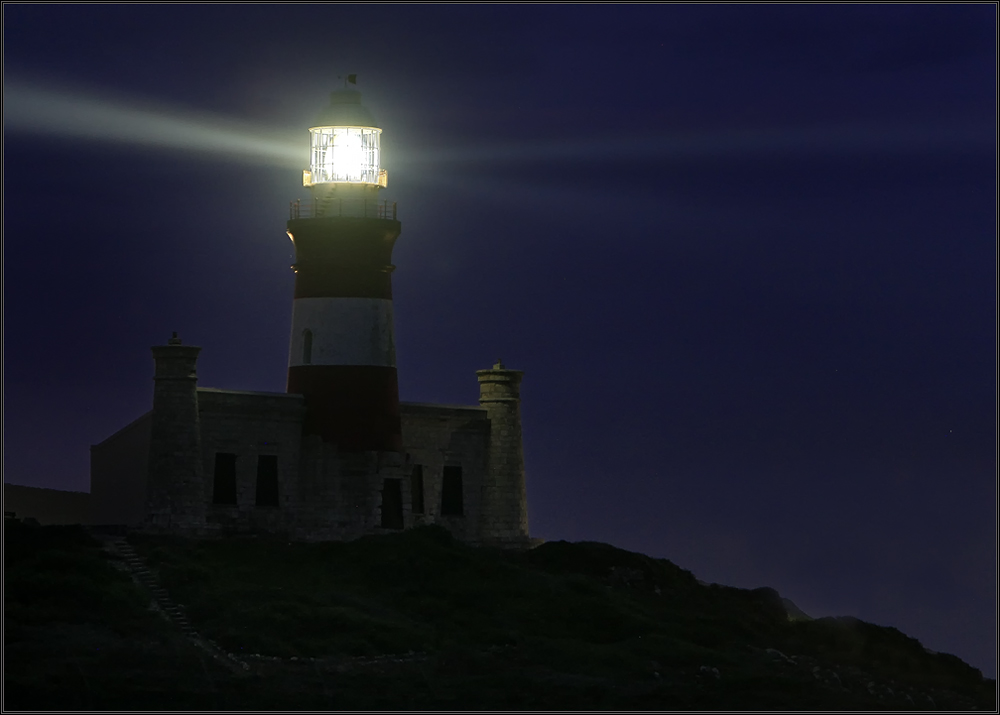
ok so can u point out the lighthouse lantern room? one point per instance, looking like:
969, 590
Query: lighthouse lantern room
342, 356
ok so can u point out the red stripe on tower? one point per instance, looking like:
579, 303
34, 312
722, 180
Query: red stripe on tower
342, 356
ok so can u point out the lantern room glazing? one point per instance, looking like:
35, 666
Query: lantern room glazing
345, 155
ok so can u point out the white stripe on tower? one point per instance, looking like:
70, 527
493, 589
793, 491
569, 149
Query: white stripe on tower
342, 331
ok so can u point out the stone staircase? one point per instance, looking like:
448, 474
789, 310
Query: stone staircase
118, 546
146, 578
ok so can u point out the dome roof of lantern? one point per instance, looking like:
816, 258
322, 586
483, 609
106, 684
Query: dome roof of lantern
345, 110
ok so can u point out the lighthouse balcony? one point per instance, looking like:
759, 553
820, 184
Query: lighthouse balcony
337, 207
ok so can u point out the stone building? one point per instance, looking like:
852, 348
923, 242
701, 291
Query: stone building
336, 456
205, 460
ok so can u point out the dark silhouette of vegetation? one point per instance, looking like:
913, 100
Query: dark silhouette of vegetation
419, 620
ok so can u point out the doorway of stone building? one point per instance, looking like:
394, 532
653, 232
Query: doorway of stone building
392, 504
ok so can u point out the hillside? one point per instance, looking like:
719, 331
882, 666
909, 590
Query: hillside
416, 620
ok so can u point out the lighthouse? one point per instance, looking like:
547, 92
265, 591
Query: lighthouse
337, 455
342, 355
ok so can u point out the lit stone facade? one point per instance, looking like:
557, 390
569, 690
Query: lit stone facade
460, 466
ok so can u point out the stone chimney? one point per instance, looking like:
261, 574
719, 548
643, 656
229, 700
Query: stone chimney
504, 499
176, 484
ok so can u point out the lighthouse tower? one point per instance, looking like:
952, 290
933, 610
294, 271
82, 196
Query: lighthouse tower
342, 357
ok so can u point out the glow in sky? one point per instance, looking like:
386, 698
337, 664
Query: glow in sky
35, 109
40, 110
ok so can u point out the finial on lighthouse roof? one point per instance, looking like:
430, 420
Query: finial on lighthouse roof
499, 365
174, 340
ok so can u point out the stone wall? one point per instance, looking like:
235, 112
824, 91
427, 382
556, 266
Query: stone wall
47, 506
248, 425
436, 436
342, 492
119, 467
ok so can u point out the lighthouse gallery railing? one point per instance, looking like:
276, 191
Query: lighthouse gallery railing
362, 208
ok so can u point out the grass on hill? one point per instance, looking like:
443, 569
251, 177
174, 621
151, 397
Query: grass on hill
563, 626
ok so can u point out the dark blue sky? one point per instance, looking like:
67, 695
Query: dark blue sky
746, 257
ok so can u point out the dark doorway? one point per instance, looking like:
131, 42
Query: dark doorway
451, 492
417, 489
267, 480
392, 504
224, 487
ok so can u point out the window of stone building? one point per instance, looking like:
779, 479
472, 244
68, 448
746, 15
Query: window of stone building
224, 487
267, 480
307, 347
451, 492
392, 504
417, 489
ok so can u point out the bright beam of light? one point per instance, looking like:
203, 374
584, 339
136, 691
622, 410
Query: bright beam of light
35, 109
947, 136
32, 109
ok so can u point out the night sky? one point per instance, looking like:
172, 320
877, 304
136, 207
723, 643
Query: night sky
745, 256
